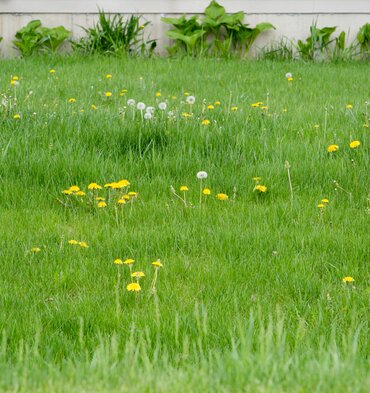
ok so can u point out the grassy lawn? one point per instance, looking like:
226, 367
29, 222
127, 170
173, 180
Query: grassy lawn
251, 296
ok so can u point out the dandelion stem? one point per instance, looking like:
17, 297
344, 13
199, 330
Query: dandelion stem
287, 166
118, 304
325, 122
116, 213
200, 193
154, 282
178, 196
366, 114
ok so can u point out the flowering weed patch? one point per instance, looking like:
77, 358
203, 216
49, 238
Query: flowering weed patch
248, 180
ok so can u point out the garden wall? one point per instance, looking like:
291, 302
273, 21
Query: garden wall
292, 18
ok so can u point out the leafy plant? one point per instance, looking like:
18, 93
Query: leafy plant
115, 35
187, 34
217, 34
34, 38
317, 44
363, 38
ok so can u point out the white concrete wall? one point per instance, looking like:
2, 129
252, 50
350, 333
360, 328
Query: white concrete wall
292, 18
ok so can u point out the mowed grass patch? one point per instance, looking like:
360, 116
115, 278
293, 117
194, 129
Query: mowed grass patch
250, 296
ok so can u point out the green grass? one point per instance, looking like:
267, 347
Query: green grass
250, 298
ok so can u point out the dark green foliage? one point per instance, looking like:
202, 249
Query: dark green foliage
115, 35
317, 44
217, 34
34, 38
363, 38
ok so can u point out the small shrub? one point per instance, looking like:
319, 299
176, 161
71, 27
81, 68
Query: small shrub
34, 38
363, 38
115, 35
217, 34
317, 44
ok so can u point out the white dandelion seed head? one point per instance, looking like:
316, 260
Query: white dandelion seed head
288, 75
190, 100
150, 109
162, 106
131, 102
147, 116
202, 175
140, 106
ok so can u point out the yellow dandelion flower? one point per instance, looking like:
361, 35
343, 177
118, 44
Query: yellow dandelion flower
108, 76
118, 262
185, 114
133, 287
17, 116
108, 185
94, 186
14, 82
83, 244
186, 93
349, 106
80, 193
264, 107
158, 94
127, 197
157, 263
320, 205
260, 188
108, 94
206, 191
123, 183
129, 261
325, 200
72, 242
222, 197
210, 107
332, 148
218, 103
121, 201
52, 71
72, 100
234, 108
100, 199
354, 144
184, 188
102, 204
74, 188
138, 274
67, 192
206, 122
348, 279
15, 78
35, 249
132, 193
256, 178
290, 79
